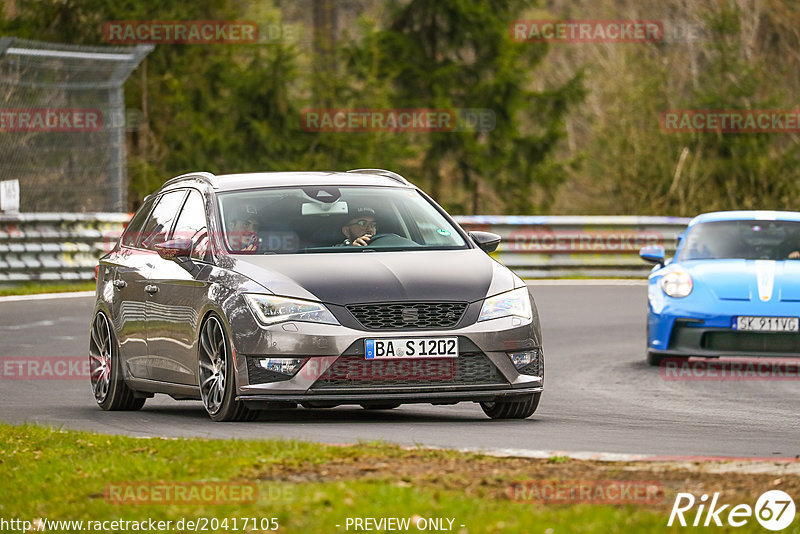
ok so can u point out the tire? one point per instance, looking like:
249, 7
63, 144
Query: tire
108, 385
380, 406
217, 375
516, 409
654, 359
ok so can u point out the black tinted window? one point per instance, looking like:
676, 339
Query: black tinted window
749, 240
295, 220
134, 228
191, 225
160, 221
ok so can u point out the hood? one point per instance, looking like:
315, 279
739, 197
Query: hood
360, 277
744, 280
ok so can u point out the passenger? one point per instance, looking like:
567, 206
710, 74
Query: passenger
243, 234
360, 228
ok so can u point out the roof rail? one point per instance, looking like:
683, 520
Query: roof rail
383, 172
207, 176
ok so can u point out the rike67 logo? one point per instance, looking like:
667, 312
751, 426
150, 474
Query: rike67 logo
774, 510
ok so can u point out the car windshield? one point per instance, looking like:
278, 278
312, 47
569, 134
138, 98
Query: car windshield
331, 219
750, 240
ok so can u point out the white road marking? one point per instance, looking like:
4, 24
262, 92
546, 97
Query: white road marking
47, 296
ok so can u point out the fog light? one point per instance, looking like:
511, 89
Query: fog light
521, 359
286, 366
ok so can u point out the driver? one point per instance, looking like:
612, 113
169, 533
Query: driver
244, 229
360, 228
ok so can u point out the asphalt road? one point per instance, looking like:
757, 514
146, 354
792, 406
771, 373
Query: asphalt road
599, 393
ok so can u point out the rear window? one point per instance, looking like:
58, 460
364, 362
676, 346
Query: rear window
332, 219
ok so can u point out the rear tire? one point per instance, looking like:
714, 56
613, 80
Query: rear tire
217, 375
516, 409
108, 384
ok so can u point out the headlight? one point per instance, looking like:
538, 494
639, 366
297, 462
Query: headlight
677, 284
269, 310
514, 303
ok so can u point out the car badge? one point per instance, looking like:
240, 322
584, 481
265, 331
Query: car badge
410, 315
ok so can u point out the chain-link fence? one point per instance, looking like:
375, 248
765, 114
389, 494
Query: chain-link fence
62, 124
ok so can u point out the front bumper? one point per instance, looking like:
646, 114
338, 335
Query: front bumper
336, 371
429, 397
692, 337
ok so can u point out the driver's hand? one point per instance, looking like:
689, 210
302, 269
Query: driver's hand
362, 241
794, 255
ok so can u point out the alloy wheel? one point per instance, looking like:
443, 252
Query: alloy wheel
213, 361
100, 352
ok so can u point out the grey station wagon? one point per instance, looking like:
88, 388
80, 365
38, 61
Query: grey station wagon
269, 290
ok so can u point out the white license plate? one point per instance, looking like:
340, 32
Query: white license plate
766, 324
422, 347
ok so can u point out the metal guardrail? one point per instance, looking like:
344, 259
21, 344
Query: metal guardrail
65, 246
55, 246
560, 246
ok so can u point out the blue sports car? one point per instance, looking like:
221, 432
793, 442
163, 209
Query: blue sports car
732, 289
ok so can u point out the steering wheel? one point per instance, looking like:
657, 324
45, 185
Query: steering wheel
379, 237
391, 240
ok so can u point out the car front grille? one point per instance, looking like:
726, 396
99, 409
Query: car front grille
752, 342
408, 315
355, 372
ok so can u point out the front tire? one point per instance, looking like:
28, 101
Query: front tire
218, 375
515, 409
109, 387
654, 359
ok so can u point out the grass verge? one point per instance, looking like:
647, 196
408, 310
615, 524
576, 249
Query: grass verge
33, 288
307, 487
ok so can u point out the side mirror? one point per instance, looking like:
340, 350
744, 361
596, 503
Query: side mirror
653, 254
175, 249
486, 241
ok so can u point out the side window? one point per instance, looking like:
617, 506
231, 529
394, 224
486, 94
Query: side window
192, 225
134, 228
157, 227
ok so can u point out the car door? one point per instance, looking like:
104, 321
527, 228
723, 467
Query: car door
173, 309
155, 231
127, 267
